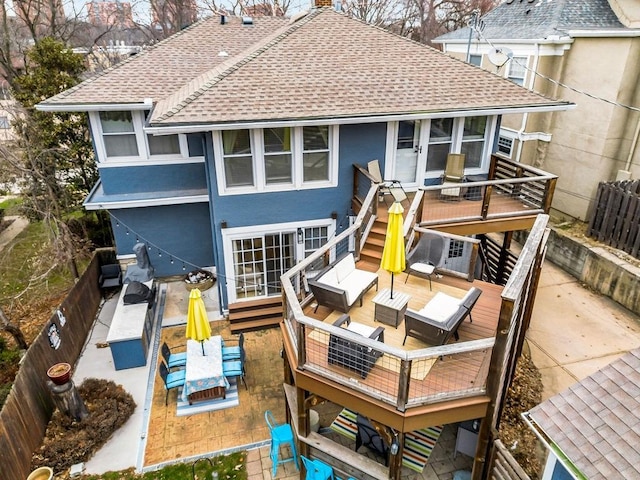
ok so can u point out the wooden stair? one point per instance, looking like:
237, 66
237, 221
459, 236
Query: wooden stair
255, 314
372, 251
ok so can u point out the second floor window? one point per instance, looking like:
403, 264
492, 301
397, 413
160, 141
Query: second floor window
119, 134
276, 158
517, 70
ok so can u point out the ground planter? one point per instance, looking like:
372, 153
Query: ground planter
41, 473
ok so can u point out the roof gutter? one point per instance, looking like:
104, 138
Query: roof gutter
617, 33
552, 446
174, 129
147, 104
552, 40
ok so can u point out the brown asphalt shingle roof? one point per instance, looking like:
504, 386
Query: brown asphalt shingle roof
325, 65
596, 422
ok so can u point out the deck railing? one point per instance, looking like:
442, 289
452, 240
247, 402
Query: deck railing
398, 377
512, 190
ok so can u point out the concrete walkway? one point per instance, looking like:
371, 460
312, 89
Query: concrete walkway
575, 332
12, 231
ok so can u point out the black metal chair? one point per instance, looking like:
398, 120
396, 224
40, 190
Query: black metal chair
233, 352
368, 436
173, 360
171, 379
235, 368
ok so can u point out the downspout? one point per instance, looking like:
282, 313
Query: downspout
634, 145
525, 116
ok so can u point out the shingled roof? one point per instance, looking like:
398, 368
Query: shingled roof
324, 65
596, 422
541, 19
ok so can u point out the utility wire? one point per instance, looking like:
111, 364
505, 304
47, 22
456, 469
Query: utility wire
560, 84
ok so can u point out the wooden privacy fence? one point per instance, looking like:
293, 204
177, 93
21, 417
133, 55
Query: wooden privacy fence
503, 466
616, 217
28, 408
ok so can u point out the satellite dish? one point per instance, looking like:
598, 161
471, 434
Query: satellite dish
500, 56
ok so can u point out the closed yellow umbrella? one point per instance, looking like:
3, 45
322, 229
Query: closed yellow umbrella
198, 327
393, 259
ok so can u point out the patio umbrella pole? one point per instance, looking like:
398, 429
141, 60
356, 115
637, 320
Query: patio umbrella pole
391, 295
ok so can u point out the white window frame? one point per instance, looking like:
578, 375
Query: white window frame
457, 134
257, 153
143, 157
239, 233
521, 62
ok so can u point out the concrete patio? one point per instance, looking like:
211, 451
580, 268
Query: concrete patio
154, 436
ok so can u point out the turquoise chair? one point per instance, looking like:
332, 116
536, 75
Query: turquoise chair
233, 352
280, 434
316, 469
171, 380
173, 359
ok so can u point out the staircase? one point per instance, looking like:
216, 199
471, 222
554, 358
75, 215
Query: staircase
255, 314
371, 253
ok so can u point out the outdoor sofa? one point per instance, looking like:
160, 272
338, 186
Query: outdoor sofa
440, 318
340, 284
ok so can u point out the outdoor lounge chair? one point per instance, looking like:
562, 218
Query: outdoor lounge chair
110, 276
387, 187
428, 254
353, 355
452, 176
440, 318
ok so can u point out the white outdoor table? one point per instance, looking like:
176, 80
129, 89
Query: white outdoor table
204, 377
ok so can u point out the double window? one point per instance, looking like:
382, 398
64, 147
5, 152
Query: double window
466, 135
276, 158
120, 137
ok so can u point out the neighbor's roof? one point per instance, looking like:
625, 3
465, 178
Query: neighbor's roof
596, 422
168, 65
541, 19
324, 65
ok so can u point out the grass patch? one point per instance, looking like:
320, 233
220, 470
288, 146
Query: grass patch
11, 206
229, 467
26, 264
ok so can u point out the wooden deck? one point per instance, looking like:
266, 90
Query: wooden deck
449, 375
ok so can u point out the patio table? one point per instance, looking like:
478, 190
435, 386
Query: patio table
204, 378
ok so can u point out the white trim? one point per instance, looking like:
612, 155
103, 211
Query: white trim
153, 202
93, 107
520, 48
525, 136
144, 156
614, 33
165, 130
257, 155
149, 162
235, 233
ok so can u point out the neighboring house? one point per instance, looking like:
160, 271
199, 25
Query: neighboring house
589, 45
233, 143
592, 429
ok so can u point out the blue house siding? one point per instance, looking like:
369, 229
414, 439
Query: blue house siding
153, 178
358, 144
178, 232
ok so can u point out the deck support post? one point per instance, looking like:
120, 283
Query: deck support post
395, 461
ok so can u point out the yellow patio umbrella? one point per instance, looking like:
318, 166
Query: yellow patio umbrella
198, 327
393, 259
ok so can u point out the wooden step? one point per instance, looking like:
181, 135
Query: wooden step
255, 314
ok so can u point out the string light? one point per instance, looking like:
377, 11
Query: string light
173, 258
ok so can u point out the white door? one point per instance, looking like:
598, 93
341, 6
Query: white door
406, 155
